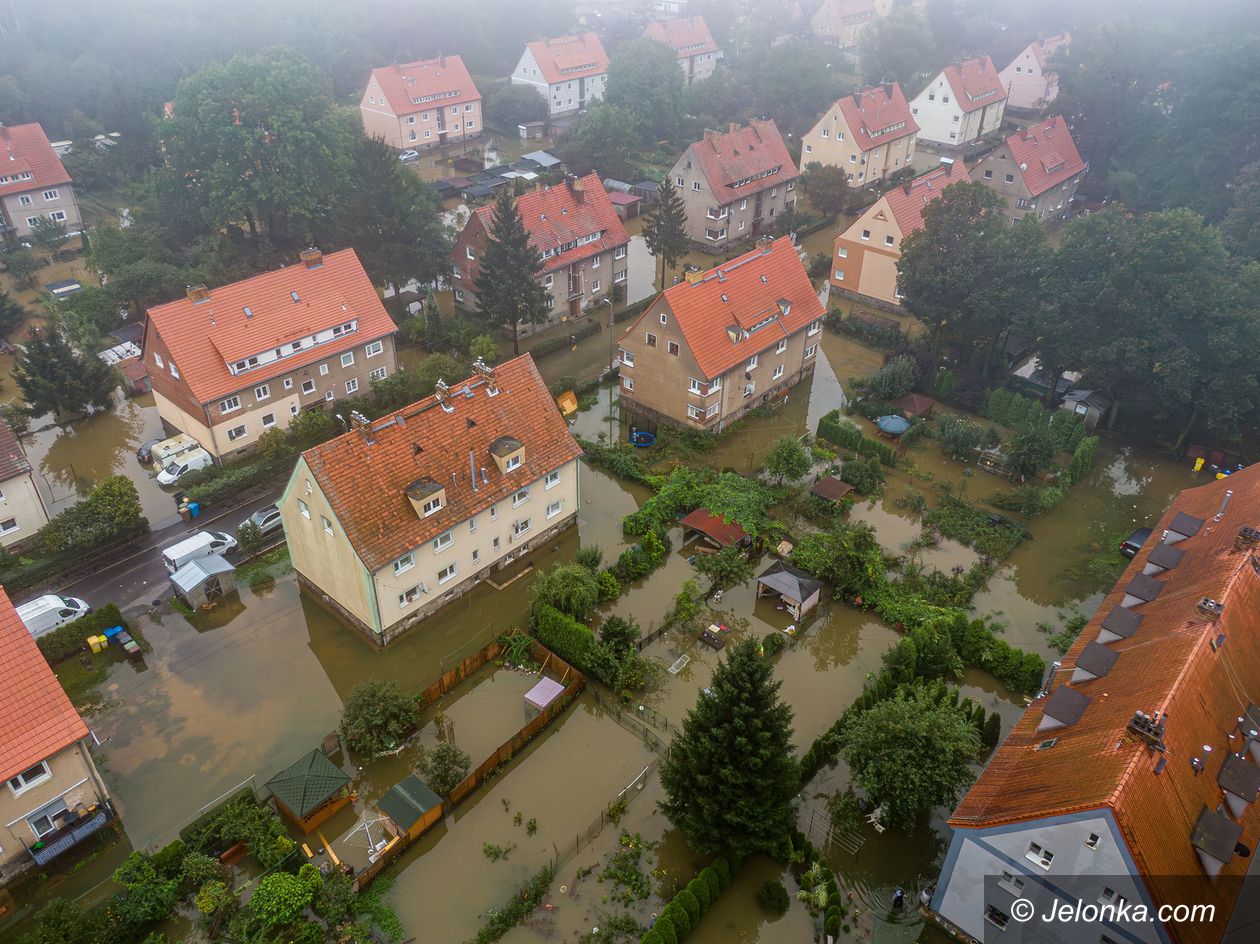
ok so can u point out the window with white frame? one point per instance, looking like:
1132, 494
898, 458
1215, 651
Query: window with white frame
595, 285
347, 359
627, 383
304, 509
51, 194
513, 462
308, 386
712, 411
434, 505
157, 359
811, 350
328, 528
405, 563
268, 420
352, 385
839, 275
31, 777
1038, 855
627, 358
781, 346
25, 200
552, 479
408, 597
520, 527
262, 392
595, 263
866, 234
376, 347
750, 389
288, 383
778, 372
443, 541
815, 328
889, 240
694, 412
520, 497
378, 374
236, 432
1012, 883
229, 404
549, 280
323, 370
447, 572
695, 386
619, 252
554, 508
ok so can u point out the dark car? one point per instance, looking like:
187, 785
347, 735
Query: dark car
1133, 543
145, 452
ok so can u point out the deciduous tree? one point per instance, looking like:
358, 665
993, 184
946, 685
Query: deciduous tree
377, 716
644, 79
727, 568
787, 459
827, 187
444, 767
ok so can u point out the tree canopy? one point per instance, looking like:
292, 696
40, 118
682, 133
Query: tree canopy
55, 378
509, 287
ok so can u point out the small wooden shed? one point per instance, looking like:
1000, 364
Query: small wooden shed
704, 523
798, 590
916, 405
832, 488
411, 807
310, 790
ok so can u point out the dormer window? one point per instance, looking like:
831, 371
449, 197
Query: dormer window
433, 505
511, 463
507, 452
427, 496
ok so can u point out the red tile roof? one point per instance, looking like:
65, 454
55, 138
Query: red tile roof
569, 57
714, 526
1045, 154
556, 216
742, 294
874, 114
25, 149
365, 480
755, 153
1168, 665
36, 718
908, 201
688, 36
425, 84
975, 83
13, 461
204, 337
1045, 48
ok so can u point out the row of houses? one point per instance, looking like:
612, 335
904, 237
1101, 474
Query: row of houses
434, 102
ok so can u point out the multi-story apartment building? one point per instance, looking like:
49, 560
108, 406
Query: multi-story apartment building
864, 256
1030, 85
395, 518
52, 796
1132, 778
871, 134
1036, 171
33, 183
841, 22
22, 509
575, 228
961, 104
425, 104
570, 72
733, 183
228, 364
718, 345
666, 9
694, 47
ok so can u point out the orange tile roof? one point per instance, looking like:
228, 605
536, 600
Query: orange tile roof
726, 158
1043, 49
742, 294
1167, 665
204, 337
364, 476
908, 201
687, 36
714, 526
13, 461
36, 718
25, 149
872, 113
1045, 154
569, 57
425, 84
975, 83
554, 216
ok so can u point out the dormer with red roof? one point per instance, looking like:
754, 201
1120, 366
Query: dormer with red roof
575, 228
1030, 85
964, 102
694, 47
871, 134
1036, 171
734, 182
229, 363
424, 104
714, 347
33, 183
865, 256
51, 795
570, 72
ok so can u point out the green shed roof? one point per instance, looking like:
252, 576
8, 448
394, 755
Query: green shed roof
308, 783
406, 802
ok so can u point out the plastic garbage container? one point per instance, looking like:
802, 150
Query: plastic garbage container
194, 508
185, 514
113, 631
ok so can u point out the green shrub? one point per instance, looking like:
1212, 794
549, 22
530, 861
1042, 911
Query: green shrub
992, 733
222, 482
723, 869
773, 897
894, 379
378, 716
680, 915
608, 585
590, 556
570, 588
958, 436
665, 928
836, 429
652, 937
65, 641
772, 643
1082, 460
700, 890
711, 879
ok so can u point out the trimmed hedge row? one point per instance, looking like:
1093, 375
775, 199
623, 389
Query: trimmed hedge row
840, 431
551, 345
685, 910
65, 641
576, 644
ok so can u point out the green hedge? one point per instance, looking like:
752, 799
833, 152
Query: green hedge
576, 644
221, 482
65, 641
551, 345
835, 429
680, 916
630, 311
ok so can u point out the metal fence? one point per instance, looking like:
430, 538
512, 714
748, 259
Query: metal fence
609, 815
645, 723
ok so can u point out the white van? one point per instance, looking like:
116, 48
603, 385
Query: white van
181, 465
170, 448
44, 614
195, 546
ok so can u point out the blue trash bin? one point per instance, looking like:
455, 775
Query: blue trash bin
194, 509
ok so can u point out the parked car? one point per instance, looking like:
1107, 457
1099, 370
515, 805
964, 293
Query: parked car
195, 546
181, 465
145, 453
44, 614
267, 519
1133, 543
408, 156
168, 449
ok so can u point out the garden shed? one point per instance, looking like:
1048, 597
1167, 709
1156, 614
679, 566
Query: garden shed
704, 523
205, 581
797, 589
411, 807
833, 488
541, 695
916, 405
1089, 405
310, 790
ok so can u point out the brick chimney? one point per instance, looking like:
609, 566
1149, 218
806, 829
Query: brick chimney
311, 258
198, 294
576, 187
732, 127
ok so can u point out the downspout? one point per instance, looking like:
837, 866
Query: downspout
101, 792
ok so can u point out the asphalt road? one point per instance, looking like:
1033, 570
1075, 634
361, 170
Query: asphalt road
141, 577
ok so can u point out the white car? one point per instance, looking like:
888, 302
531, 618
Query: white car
192, 461
408, 156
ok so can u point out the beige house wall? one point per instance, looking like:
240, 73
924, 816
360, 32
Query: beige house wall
65, 201
408, 130
868, 266
838, 149
1048, 206
21, 503
74, 779
746, 217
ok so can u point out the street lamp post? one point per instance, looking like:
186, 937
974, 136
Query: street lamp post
611, 312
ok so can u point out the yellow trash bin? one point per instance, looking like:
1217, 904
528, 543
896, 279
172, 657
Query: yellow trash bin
96, 642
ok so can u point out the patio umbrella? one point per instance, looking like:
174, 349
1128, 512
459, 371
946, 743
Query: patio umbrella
893, 425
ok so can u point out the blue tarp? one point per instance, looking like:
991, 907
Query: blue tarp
893, 425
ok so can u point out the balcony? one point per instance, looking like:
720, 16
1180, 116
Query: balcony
70, 834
